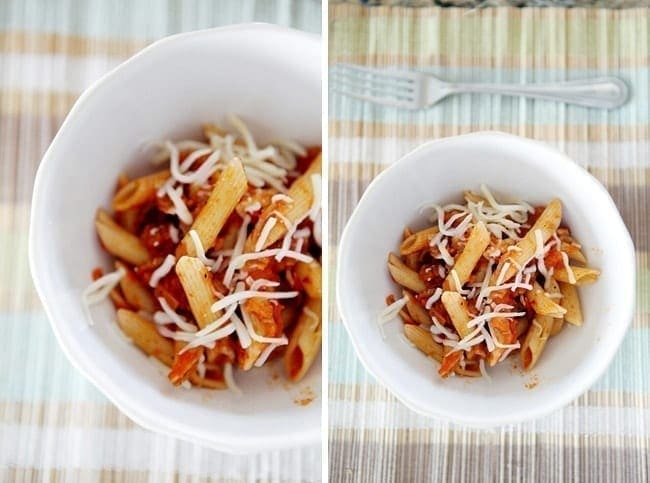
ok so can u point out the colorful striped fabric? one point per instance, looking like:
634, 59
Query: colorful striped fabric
605, 434
54, 425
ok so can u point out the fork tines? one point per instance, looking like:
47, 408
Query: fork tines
381, 86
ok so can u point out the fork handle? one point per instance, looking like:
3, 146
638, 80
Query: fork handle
603, 92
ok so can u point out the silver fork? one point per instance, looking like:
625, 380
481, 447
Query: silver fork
415, 90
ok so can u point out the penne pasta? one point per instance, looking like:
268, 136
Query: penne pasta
403, 275
135, 292
139, 191
418, 313
311, 277
543, 305
418, 241
456, 307
583, 275
144, 334
119, 242
571, 302
535, 341
547, 224
228, 189
196, 281
574, 252
553, 289
464, 265
302, 194
305, 341
423, 340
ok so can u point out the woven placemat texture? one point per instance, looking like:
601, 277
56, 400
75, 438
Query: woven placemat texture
54, 425
602, 436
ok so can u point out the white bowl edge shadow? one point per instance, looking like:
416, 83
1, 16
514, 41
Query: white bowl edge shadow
306, 433
378, 368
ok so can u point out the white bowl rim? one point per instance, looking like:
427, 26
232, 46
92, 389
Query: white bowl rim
373, 366
229, 443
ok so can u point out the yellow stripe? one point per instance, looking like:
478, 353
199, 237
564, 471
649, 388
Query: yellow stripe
542, 132
64, 415
359, 172
20, 42
47, 103
499, 37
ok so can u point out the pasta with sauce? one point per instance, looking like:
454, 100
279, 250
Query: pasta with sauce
487, 279
217, 257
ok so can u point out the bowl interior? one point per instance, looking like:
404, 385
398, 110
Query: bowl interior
268, 76
514, 169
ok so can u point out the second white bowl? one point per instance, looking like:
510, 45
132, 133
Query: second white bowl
514, 169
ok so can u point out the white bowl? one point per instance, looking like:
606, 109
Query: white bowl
514, 168
270, 76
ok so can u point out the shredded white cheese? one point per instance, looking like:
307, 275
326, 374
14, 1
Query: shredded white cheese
264, 234
390, 312
180, 207
569, 270
99, 290
437, 293
164, 268
174, 317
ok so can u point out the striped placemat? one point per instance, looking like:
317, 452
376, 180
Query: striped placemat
54, 425
604, 435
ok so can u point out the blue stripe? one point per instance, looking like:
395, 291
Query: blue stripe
152, 19
486, 111
629, 371
34, 368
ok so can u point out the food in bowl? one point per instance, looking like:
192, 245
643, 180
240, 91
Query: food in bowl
485, 280
217, 257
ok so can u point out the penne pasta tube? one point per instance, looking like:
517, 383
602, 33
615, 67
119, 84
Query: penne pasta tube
305, 341
571, 302
310, 276
139, 191
144, 335
573, 252
583, 275
226, 193
418, 241
547, 223
543, 305
504, 331
423, 340
302, 194
137, 294
410, 260
118, 241
535, 340
553, 289
260, 312
418, 313
403, 275
196, 281
477, 242
456, 307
